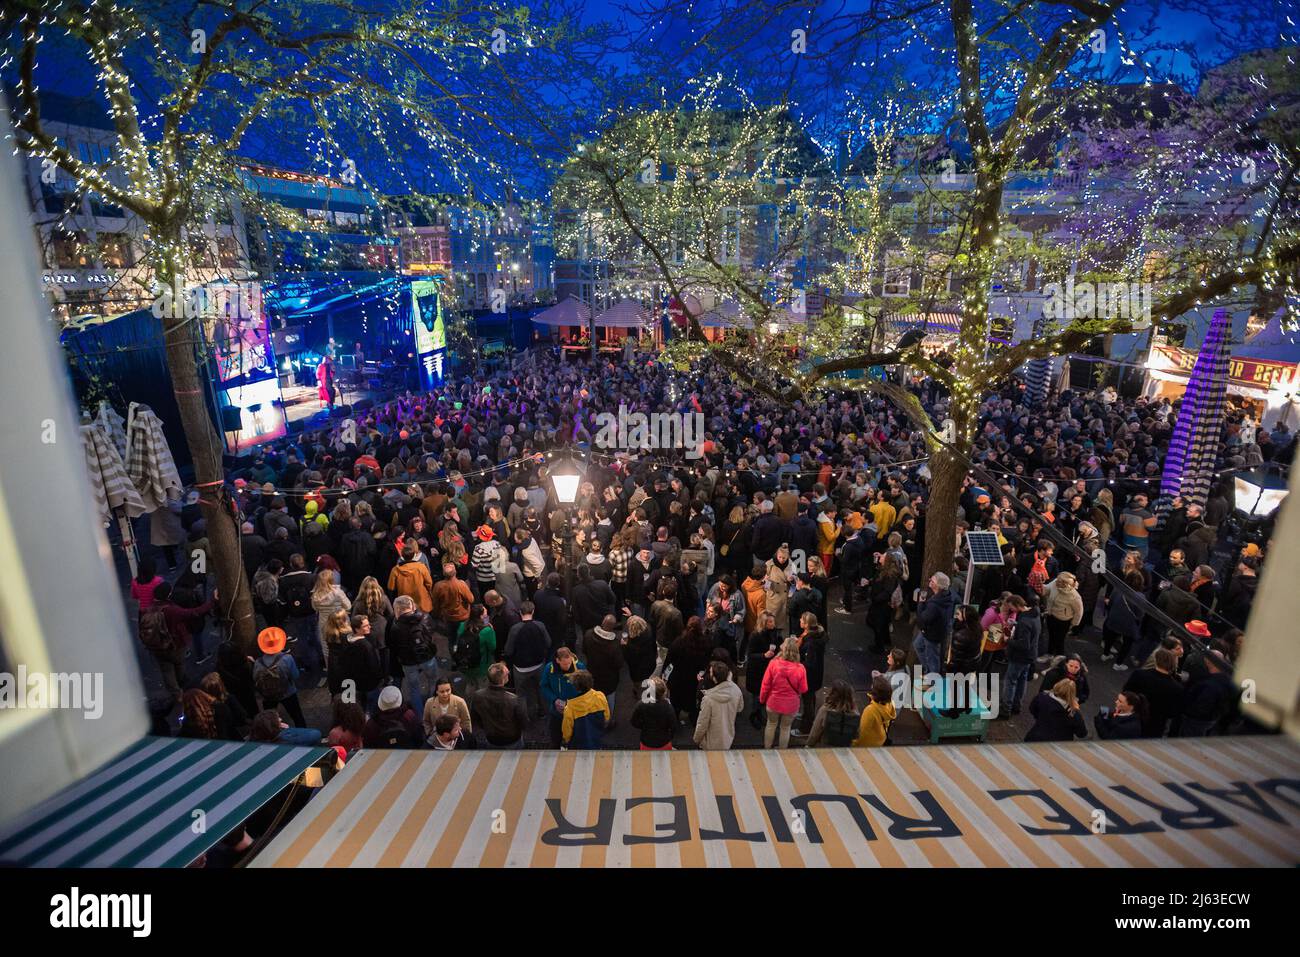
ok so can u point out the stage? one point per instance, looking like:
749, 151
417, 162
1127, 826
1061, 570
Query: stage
302, 403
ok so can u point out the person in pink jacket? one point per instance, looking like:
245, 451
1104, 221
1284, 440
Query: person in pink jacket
784, 682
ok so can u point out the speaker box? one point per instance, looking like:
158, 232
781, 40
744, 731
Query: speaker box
231, 421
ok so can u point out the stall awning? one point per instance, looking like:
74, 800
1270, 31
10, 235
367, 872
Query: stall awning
934, 323
1221, 802
138, 810
570, 312
628, 314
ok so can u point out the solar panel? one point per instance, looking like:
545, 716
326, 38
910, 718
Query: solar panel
984, 548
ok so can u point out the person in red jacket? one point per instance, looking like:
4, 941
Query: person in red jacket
784, 682
180, 621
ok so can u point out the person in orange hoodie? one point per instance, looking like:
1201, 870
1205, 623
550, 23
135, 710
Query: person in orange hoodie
411, 577
755, 596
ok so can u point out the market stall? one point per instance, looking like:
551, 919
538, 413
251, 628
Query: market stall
1262, 376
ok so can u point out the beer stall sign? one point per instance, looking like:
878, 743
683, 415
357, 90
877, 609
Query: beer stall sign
1246, 372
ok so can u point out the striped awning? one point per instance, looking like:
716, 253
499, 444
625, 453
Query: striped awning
139, 810
109, 483
934, 323
1188, 802
1192, 460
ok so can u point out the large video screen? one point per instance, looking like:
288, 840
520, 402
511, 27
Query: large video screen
430, 333
261, 414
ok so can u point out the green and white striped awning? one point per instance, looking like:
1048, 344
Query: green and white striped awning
139, 809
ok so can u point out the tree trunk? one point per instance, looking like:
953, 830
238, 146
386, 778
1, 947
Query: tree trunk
235, 603
946, 473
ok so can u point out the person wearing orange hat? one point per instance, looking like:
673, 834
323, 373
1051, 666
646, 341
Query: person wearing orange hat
483, 558
275, 675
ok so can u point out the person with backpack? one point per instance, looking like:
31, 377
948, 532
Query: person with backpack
413, 644
266, 592
182, 621
275, 675
393, 725
299, 617
837, 721
474, 647
167, 652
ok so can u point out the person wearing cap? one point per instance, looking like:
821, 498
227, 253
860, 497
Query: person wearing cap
275, 675
393, 725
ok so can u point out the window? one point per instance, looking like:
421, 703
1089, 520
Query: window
201, 252
99, 207
731, 223
58, 198
70, 249
229, 253
115, 250
97, 154
898, 274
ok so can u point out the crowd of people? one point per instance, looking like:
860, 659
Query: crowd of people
415, 561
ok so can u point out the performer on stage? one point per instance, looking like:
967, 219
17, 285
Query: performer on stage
327, 383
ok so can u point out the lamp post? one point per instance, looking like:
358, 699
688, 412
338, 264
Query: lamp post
565, 478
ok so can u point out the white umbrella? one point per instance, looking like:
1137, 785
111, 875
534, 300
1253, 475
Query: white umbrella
114, 494
149, 462
112, 425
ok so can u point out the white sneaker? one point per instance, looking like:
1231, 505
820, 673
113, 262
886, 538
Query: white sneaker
1107, 657
1119, 666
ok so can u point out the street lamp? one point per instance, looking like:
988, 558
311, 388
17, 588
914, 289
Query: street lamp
565, 478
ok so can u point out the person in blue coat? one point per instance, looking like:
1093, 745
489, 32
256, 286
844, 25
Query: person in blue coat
557, 689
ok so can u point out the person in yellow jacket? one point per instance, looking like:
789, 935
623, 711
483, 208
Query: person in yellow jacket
585, 715
884, 513
828, 533
877, 716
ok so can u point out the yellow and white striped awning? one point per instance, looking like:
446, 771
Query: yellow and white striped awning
1228, 802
